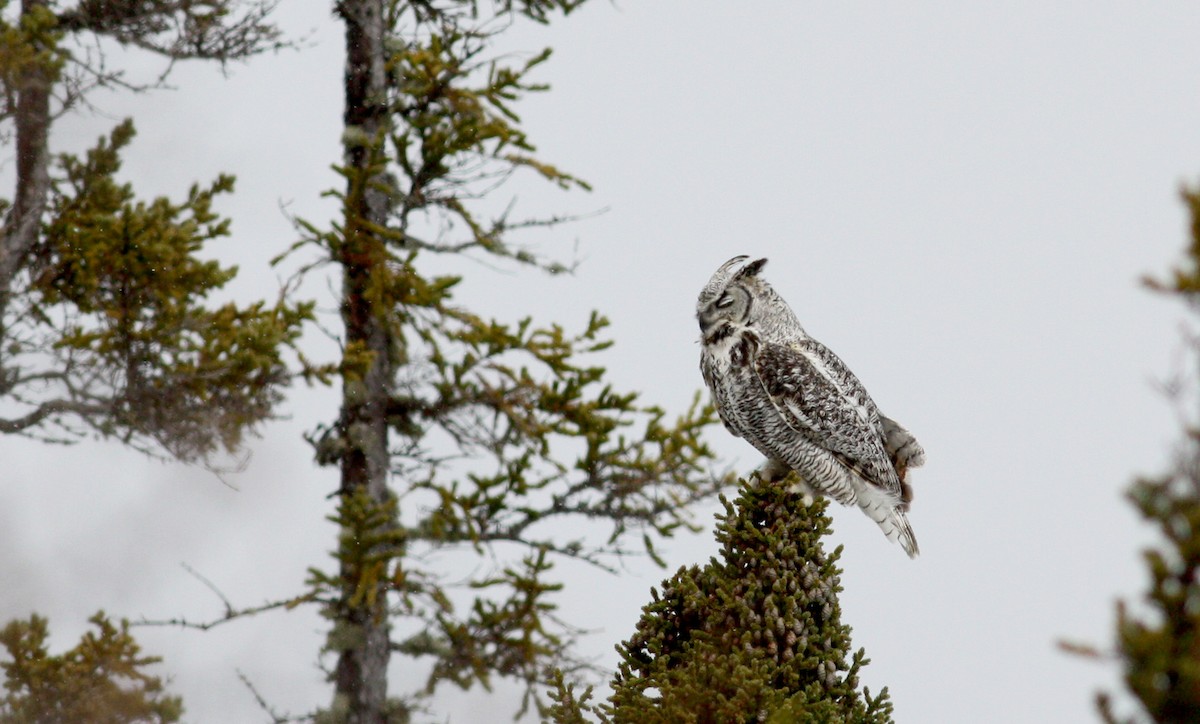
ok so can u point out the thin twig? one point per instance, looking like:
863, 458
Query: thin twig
276, 718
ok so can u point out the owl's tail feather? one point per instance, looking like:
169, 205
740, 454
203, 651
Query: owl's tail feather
895, 526
900, 444
905, 452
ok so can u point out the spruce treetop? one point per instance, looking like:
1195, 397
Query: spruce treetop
752, 636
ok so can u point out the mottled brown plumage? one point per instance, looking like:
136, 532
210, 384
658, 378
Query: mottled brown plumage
796, 402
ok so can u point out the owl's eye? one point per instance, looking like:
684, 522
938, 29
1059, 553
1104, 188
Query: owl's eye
724, 301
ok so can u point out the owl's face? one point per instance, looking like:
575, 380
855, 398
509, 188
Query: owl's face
728, 298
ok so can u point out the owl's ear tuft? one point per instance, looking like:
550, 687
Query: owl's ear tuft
752, 269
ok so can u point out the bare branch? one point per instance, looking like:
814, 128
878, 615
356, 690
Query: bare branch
47, 409
221, 30
229, 610
230, 614
276, 718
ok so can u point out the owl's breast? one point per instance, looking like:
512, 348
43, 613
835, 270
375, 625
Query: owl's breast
745, 407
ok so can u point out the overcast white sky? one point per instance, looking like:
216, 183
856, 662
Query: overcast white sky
958, 198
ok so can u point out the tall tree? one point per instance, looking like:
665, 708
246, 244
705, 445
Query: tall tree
360, 613
1160, 653
429, 130
456, 432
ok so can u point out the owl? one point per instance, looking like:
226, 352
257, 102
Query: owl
791, 398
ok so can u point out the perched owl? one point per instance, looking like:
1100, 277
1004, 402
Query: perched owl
794, 400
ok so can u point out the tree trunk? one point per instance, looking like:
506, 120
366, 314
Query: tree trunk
361, 675
32, 119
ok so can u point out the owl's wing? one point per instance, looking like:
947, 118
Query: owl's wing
903, 449
818, 397
710, 380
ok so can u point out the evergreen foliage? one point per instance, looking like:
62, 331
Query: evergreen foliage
1160, 652
458, 434
105, 323
124, 278
102, 680
491, 431
103, 320
755, 636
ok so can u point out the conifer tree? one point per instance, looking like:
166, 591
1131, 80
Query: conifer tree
101, 680
430, 130
755, 636
457, 433
1160, 652
104, 325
